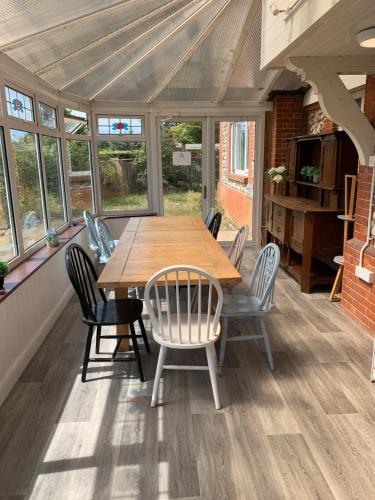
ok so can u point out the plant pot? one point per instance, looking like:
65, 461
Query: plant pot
316, 179
53, 243
2, 282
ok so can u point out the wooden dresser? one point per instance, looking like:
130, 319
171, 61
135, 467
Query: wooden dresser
304, 222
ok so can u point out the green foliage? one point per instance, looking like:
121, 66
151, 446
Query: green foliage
187, 133
4, 268
307, 171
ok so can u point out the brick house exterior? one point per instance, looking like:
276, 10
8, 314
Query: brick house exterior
235, 191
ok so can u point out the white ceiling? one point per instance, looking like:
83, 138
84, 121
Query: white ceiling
140, 50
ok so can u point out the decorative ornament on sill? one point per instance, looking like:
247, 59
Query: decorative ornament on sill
120, 126
17, 105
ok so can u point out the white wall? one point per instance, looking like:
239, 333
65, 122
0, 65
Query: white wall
278, 32
28, 314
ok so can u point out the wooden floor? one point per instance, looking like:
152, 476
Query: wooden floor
307, 430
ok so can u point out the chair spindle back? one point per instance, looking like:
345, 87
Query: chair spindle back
106, 243
91, 231
238, 247
215, 225
264, 275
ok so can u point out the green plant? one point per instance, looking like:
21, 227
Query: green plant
52, 235
4, 268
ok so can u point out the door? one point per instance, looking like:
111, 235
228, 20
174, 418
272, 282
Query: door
182, 166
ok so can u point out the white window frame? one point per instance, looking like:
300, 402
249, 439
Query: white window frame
236, 149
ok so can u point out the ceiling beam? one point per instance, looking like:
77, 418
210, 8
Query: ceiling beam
107, 37
176, 30
246, 27
195, 45
127, 45
345, 65
63, 26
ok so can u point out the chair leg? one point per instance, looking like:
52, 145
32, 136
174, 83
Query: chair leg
159, 369
87, 353
144, 335
136, 352
212, 366
98, 337
267, 344
223, 343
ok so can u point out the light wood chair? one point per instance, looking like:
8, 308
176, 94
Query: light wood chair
256, 304
348, 218
181, 327
238, 247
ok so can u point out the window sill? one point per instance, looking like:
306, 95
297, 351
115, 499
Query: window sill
28, 267
242, 179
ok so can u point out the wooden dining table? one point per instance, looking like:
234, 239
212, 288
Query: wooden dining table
149, 244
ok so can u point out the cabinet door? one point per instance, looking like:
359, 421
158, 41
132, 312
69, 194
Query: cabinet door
292, 160
328, 164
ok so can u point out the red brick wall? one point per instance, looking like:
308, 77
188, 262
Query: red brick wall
358, 297
236, 204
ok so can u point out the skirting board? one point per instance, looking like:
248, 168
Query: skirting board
23, 360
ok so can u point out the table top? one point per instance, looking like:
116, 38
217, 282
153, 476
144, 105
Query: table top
149, 244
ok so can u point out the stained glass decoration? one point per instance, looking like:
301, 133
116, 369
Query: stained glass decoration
47, 115
19, 105
120, 126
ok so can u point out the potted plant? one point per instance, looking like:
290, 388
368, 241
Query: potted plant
304, 172
52, 238
4, 270
316, 175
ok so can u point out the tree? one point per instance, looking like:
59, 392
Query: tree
187, 133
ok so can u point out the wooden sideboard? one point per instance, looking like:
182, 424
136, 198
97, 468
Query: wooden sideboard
306, 232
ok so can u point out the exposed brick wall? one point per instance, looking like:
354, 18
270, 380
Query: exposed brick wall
237, 206
288, 121
358, 297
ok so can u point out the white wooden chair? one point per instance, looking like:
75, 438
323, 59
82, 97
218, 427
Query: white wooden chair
91, 231
255, 304
184, 328
238, 247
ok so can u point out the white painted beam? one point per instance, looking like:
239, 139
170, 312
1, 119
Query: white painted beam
195, 45
337, 102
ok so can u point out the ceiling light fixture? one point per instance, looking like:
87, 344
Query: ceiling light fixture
366, 38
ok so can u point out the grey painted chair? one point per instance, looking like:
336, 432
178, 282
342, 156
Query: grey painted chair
209, 217
256, 304
91, 231
238, 247
106, 242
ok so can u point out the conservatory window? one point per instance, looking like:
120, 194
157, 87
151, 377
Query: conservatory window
19, 105
47, 115
239, 152
76, 122
7, 241
29, 186
50, 147
120, 126
123, 175
80, 176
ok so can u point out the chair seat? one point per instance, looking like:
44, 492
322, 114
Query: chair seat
185, 343
241, 305
117, 312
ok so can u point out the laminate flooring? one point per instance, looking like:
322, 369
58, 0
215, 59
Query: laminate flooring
304, 431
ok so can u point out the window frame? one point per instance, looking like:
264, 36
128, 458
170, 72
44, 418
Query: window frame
236, 149
122, 138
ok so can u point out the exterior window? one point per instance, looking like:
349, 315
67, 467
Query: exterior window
19, 105
7, 241
123, 175
54, 181
120, 126
239, 153
80, 176
47, 115
25, 153
76, 122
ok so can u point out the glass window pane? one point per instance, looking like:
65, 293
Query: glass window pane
28, 185
120, 126
47, 115
7, 241
76, 122
19, 105
123, 175
80, 177
54, 181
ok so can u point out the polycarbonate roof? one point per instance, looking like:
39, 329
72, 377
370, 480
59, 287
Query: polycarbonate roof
139, 50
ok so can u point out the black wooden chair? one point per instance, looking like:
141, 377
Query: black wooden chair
215, 225
98, 311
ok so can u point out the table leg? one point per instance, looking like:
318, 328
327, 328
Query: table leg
122, 293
